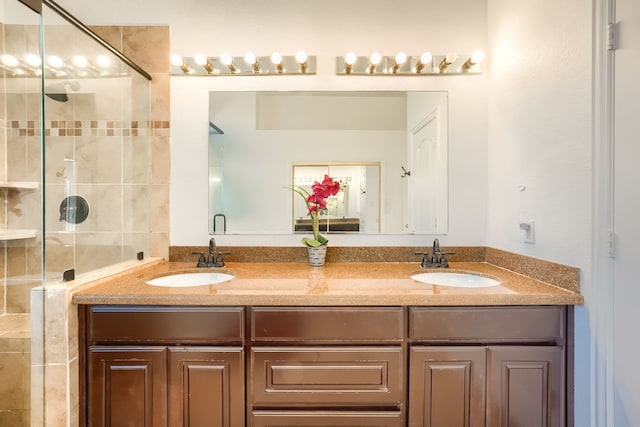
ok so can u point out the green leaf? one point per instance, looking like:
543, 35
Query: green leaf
308, 241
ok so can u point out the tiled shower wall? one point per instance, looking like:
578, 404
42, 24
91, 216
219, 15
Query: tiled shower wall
149, 48
56, 369
20, 260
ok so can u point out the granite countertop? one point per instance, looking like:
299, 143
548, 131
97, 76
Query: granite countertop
347, 284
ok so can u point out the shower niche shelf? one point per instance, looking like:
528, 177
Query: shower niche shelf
18, 185
16, 233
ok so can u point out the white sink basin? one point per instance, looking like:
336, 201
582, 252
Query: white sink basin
190, 279
459, 280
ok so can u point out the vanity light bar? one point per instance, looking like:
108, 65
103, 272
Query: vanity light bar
246, 65
404, 65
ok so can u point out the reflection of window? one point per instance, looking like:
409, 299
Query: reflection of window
351, 210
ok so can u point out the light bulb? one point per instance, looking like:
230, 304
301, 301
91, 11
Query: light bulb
175, 60
477, 56
9, 60
55, 61
200, 58
301, 57
401, 58
104, 61
425, 59
226, 59
350, 58
250, 58
375, 58
33, 60
80, 61
276, 58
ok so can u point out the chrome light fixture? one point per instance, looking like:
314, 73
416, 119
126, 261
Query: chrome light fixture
402, 64
248, 65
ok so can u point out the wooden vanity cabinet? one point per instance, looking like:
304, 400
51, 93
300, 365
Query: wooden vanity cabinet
326, 366
329, 366
164, 366
493, 367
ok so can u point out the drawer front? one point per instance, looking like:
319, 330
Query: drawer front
487, 325
327, 324
165, 325
320, 376
327, 418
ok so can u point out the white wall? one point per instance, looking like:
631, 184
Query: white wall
326, 29
540, 136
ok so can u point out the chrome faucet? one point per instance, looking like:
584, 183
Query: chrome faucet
438, 258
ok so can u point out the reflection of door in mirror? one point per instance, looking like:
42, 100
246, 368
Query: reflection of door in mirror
425, 152
356, 208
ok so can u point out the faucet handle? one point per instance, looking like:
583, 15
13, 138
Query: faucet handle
202, 261
443, 258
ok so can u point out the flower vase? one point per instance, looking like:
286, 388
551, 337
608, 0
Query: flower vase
317, 254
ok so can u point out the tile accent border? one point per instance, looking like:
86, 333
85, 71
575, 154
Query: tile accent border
89, 128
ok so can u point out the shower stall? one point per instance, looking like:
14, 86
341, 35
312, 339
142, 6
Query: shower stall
75, 186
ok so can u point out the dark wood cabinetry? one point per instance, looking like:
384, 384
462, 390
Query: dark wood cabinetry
488, 380
136, 378
325, 366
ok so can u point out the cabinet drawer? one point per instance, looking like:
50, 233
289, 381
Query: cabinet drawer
327, 418
487, 325
165, 325
320, 376
327, 324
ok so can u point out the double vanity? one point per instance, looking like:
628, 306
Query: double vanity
348, 344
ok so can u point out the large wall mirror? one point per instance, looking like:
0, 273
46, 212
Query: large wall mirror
389, 146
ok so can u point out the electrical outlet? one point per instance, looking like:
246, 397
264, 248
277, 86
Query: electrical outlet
529, 228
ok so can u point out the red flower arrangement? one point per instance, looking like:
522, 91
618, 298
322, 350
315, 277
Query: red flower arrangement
316, 202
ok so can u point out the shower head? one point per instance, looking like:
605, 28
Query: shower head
58, 91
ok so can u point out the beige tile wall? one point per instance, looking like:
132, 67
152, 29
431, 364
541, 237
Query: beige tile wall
149, 48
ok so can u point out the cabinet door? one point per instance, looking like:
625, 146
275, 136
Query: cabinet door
127, 386
206, 386
525, 387
446, 386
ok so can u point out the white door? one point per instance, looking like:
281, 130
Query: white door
427, 183
626, 286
